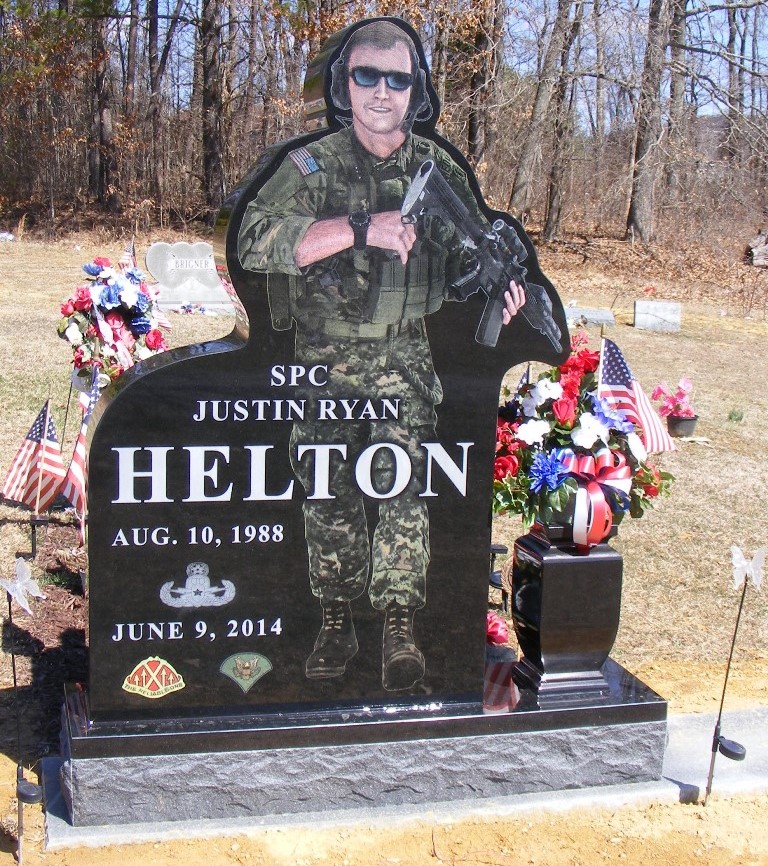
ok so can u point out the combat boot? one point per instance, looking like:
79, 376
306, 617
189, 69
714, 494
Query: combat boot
336, 642
402, 662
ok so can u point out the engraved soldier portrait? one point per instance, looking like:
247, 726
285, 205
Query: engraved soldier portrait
358, 280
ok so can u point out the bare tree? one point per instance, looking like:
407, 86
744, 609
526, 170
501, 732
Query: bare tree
640, 219
520, 198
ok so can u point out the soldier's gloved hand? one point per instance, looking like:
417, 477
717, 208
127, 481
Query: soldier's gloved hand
388, 232
514, 298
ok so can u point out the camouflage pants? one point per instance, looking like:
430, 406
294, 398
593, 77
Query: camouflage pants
341, 553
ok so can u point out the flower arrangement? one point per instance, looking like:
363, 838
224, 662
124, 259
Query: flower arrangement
558, 443
678, 403
111, 321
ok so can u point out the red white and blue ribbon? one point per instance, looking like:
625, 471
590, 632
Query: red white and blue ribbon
593, 516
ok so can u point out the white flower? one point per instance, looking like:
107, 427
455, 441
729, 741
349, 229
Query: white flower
74, 334
589, 430
639, 451
543, 390
533, 431
548, 390
129, 293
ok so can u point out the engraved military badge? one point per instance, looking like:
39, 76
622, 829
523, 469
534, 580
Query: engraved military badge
197, 590
153, 678
245, 668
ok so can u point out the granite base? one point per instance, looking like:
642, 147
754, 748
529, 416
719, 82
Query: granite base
428, 755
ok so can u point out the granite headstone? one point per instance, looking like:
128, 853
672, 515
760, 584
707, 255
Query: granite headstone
206, 464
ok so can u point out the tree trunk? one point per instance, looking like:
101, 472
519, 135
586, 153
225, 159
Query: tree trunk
677, 85
213, 170
562, 131
158, 60
102, 159
640, 219
520, 198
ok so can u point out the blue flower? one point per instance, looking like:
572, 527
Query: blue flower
109, 298
547, 471
92, 269
140, 325
134, 275
613, 418
142, 303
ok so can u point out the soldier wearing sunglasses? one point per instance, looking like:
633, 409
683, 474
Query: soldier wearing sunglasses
361, 283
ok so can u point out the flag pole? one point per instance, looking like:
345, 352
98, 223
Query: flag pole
36, 520
41, 458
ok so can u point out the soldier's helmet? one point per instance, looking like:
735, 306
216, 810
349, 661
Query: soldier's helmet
382, 35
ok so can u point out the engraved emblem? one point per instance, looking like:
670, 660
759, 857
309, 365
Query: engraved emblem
245, 668
197, 590
153, 678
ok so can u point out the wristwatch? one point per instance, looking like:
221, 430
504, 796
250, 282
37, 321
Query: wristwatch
360, 220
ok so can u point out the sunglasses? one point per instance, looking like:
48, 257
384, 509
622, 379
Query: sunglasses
369, 76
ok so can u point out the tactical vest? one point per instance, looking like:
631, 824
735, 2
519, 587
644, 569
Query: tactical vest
371, 287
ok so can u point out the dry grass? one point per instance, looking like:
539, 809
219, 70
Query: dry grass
678, 602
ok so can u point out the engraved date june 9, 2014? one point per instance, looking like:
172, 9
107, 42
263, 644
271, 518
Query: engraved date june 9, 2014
233, 628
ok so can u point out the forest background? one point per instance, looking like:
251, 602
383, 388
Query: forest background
643, 120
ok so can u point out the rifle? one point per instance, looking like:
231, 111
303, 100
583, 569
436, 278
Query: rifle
495, 256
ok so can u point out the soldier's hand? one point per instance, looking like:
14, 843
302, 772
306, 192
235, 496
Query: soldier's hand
388, 232
514, 298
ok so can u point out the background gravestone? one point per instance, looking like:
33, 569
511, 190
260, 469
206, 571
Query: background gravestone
657, 315
186, 274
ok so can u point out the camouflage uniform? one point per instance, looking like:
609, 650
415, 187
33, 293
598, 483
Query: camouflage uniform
361, 315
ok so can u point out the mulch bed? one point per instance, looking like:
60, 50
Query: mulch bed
50, 649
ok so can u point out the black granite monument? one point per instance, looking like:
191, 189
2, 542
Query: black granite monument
289, 527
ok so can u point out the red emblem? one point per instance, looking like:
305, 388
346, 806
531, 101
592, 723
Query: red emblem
153, 678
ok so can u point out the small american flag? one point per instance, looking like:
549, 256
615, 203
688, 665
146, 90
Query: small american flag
74, 486
128, 257
616, 384
37, 469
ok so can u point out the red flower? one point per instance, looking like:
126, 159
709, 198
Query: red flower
123, 334
156, 341
578, 341
505, 465
564, 410
81, 300
571, 383
78, 358
102, 262
581, 362
496, 630
67, 308
505, 436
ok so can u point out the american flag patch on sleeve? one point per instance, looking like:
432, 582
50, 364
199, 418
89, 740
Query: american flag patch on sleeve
305, 162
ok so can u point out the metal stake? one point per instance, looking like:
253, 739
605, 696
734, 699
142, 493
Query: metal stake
26, 792
729, 748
